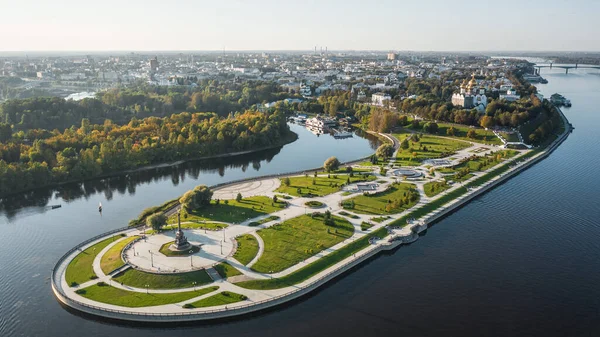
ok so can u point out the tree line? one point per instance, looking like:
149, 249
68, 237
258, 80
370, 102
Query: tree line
93, 150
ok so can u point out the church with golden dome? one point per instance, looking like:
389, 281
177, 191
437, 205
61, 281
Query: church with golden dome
470, 96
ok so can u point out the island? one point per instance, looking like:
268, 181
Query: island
233, 249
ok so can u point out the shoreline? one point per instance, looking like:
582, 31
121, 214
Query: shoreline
290, 139
395, 238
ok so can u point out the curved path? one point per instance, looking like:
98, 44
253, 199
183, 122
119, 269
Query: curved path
261, 249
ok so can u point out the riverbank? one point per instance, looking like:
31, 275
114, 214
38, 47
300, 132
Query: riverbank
406, 234
290, 138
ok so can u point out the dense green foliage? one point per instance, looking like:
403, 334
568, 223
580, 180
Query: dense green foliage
122, 104
95, 150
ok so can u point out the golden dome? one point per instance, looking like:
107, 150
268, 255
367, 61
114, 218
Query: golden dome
472, 82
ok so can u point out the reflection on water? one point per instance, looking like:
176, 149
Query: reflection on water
38, 201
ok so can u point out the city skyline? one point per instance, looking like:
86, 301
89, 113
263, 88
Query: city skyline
267, 25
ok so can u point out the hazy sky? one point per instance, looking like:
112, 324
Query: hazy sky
27, 25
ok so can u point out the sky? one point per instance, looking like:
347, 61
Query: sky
423, 25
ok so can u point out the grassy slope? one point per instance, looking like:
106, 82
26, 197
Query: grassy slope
310, 270
435, 147
124, 298
322, 184
80, 269
247, 249
140, 279
298, 239
237, 212
226, 270
376, 204
221, 298
112, 259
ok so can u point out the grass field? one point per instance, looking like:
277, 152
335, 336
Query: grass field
323, 185
124, 298
226, 270
321, 264
428, 147
482, 163
348, 215
394, 200
434, 188
222, 298
365, 226
247, 249
298, 239
263, 221
380, 219
482, 136
234, 211
80, 269
139, 279
195, 225
111, 260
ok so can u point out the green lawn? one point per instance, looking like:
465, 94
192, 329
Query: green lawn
434, 188
426, 148
323, 185
263, 221
195, 225
221, 298
124, 298
226, 270
394, 200
247, 248
348, 215
80, 269
365, 225
380, 219
234, 211
482, 136
112, 259
312, 269
482, 163
510, 137
139, 279
298, 239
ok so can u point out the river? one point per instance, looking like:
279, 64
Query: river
520, 260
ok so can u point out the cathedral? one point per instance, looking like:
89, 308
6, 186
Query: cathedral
470, 96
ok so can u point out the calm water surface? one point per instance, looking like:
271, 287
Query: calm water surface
520, 261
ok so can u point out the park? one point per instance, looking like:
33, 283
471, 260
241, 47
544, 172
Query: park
254, 244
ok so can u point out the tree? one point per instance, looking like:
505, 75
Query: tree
156, 221
385, 151
486, 122
287, 181
275, 200
451, 131
430, 127
472, 134
199, 197
238, 197
5, 132
404, 144
331, 164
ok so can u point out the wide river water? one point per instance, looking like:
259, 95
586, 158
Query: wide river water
522, 260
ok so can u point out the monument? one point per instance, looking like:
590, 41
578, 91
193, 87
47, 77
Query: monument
181, 243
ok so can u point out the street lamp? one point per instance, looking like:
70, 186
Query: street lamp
151, 258
147, 286
271, 274
191, 264
221, 247
194, 285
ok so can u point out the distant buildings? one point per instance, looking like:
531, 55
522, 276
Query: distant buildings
511, 95
392, 56
154, 64
379, 98
470, 96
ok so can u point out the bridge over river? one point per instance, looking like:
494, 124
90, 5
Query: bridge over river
566, 66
